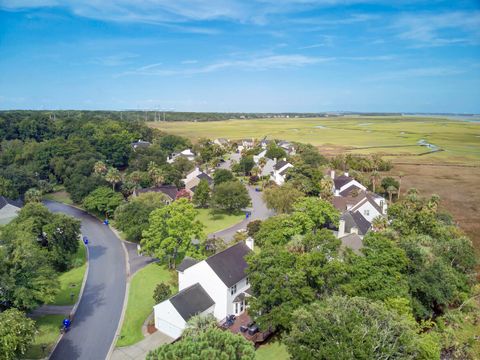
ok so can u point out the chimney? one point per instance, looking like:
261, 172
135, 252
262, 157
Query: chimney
337, 192
346, 173
341, 228
284, 159
332, 174
354, 230
250, 242
275, 161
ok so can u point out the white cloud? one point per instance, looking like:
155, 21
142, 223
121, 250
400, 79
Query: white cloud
252, 64
408, 74
424, 30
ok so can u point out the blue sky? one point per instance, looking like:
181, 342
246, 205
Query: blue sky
240, 55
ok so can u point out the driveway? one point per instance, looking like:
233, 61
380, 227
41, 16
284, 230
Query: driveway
96, 320
259, 211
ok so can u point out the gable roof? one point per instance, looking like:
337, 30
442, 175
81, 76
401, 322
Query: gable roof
363, 224
191, 301
229, 264
352, 241
6, 201
348, 190
284, 171
203, 176
170, 190
342, 202
341, 181
280, 164
186, 263
140, 143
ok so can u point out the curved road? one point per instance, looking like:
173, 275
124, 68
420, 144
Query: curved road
96, 320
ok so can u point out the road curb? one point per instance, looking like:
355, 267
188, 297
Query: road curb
80, 295
125, 298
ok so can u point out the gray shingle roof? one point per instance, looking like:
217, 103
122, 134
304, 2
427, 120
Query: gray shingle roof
191, 301
170, 190
352, 241
4, 201
230, 264
341, 180
186, 263
280, 164
355, 219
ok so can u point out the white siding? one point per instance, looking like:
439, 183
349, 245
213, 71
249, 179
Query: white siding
203, 274
353, 182
368, 211
241, 287
168, 320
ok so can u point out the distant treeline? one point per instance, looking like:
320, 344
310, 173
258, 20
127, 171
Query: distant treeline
154, 115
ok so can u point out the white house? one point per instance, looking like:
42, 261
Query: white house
187, 153
220, 287
171, 315
221, 142
245, 144
280, 171
8, 209
344, 184
193, 179
256, 158
287, 146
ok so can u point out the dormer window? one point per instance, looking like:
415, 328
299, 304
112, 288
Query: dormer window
233, 289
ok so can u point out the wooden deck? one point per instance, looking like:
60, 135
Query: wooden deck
243, 320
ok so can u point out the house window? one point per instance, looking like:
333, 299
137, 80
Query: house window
233, 289
241, 306
366, 212
247, 281
236, 308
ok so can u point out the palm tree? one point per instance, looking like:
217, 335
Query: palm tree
375, 177
100, 168
135, 177
400, 175
113, 176
199, 324
326, 188
155, 173
33, 195
379, 223
391, 190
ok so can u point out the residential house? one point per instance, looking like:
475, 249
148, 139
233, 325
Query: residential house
256, 158
280, 171
221, 142
193, 179
9, 209
217, 285
287, 146
344, 184
245, 144
170, 191
187, 153
140, 144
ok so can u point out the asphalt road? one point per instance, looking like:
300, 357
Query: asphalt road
259, 211
96, 320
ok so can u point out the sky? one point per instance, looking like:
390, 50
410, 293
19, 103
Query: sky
241, 55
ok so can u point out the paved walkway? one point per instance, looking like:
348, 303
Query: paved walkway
140, 350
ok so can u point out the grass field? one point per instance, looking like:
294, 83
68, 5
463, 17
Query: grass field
452, 173
459, 139
140, 300
59, 196
273, 350
71, 281
48, 327
217, 222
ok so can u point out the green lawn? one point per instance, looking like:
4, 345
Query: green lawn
140, 300
59, 196
273, 350
48, 327
71, 281
217, 222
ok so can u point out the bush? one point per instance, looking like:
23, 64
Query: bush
161, 293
